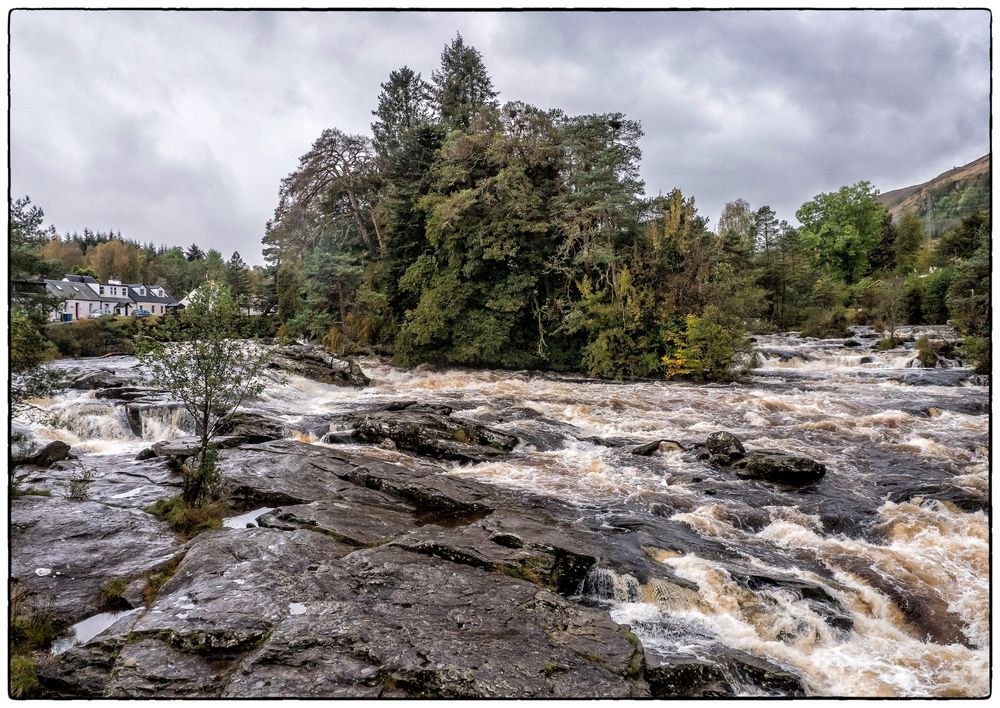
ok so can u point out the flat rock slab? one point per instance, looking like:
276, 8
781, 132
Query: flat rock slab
119, 481
286, 472
235, 586
358, 517
64, 551
422, 627
265, 613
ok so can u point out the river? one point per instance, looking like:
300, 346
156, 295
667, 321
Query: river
897, 531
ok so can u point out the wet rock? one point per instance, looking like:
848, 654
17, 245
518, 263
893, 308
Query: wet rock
433, 435
339, 438
101, 379
153, 668
80, 672
852, 343
779, 467
281, 473
867, 360
266, 613
763, 674
725, 445
45, 457
318, 364
417, 407
125, 393
357, 516
147, 453
928, 614
182, 448
253, 427
685, 676
393, 637
658, 446
288, 472
84, 544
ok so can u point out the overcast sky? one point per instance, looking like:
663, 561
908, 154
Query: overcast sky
176, 127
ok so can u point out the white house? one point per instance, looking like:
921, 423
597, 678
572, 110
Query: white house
113, 297
78, 301
153, 299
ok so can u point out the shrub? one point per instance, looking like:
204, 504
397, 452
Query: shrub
826, 324
889, 343
79, 485
189, 521
112, 593
977, 353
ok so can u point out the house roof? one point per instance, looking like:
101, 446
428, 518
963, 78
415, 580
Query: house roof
70, 290
120, 300
79, 278
149, 297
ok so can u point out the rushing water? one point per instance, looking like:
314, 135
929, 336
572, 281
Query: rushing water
899, 520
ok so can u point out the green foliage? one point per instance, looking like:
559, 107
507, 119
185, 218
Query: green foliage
189, 520
29, 349
909, 239
976, 350
462, 85
209, 368
964, 239
23, 676
30, 629
714, 346
842, 228
473, 234
158, 578
968, 296
112, 592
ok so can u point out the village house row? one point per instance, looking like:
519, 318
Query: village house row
83, 297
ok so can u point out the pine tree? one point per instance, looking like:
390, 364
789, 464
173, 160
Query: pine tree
405, 103
462, 85
194, 253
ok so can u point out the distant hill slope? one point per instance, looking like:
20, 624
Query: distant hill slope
944, 200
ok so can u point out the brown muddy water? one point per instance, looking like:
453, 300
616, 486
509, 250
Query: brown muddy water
896, 532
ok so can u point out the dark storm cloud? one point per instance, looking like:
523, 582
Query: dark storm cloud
177, 127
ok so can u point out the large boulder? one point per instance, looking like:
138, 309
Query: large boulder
49, 454
726, 445
780, 467
100, 379
253, 427
433, 435
318, 364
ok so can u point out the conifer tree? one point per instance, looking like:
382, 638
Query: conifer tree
462, 85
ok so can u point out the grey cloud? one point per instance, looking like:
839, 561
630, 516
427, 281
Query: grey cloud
177, 127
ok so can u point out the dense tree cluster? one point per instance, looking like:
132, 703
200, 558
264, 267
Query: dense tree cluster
474, 233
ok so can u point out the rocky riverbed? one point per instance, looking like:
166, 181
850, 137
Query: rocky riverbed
819, 530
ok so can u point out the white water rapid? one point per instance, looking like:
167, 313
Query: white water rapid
897, 532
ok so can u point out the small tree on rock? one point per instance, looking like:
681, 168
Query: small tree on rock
206, 365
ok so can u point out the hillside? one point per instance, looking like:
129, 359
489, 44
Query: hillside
945, 199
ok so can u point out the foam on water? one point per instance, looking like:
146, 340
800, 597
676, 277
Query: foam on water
830, 403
